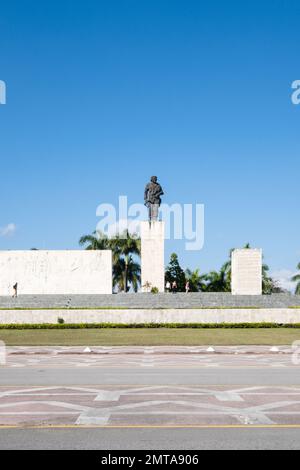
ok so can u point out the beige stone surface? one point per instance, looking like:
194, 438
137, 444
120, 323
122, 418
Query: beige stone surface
129, 316
152, 255
246, 272
56, 272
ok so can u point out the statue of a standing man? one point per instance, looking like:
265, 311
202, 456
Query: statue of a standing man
153, 193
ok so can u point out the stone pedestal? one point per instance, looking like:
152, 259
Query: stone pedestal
246, 272
152, 255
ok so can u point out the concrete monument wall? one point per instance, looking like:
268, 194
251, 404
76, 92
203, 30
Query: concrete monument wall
140, 316
246, 272
56, 272
152, 255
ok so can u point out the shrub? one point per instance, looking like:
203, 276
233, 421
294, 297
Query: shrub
154, 290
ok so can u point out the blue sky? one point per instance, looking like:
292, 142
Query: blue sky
101, 95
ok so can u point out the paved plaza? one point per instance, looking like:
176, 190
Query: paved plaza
162, 397
148, 403
149, 406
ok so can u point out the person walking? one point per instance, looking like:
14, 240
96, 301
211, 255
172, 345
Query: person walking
174, 287
168, 286
15, 288
187, 287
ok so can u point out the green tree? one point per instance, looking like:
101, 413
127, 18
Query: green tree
174, 272
269, 285
132, 277
296, 278
124, 246
95, 241
217, 281
197, 281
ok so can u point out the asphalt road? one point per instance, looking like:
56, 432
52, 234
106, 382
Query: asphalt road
156, 439
120, 376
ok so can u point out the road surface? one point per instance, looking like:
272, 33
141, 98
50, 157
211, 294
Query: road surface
150, 398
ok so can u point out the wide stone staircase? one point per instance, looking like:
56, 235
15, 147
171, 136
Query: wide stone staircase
150, 301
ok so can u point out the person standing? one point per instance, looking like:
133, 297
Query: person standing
187, 287
168, 286
174, 287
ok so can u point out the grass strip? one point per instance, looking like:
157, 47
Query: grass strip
150, 337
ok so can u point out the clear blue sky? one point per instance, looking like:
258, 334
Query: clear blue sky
103, 94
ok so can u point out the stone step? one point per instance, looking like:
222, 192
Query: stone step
178, 300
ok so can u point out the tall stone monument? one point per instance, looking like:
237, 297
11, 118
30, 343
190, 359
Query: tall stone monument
246, 271
152, 241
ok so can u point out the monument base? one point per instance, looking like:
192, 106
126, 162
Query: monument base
152, 256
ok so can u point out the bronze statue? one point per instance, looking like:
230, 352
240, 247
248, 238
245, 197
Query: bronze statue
153, 193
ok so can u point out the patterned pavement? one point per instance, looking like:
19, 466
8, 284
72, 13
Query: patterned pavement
149, 405
156, 357
147, 349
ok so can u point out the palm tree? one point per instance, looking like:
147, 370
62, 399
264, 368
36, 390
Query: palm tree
132, 276
220, 281
217, 281
296, 278
96, 241
196, 280
269, 286
123, 246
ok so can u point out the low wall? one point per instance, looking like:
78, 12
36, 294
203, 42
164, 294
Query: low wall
129, 316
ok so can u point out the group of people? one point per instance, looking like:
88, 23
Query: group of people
173, 287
